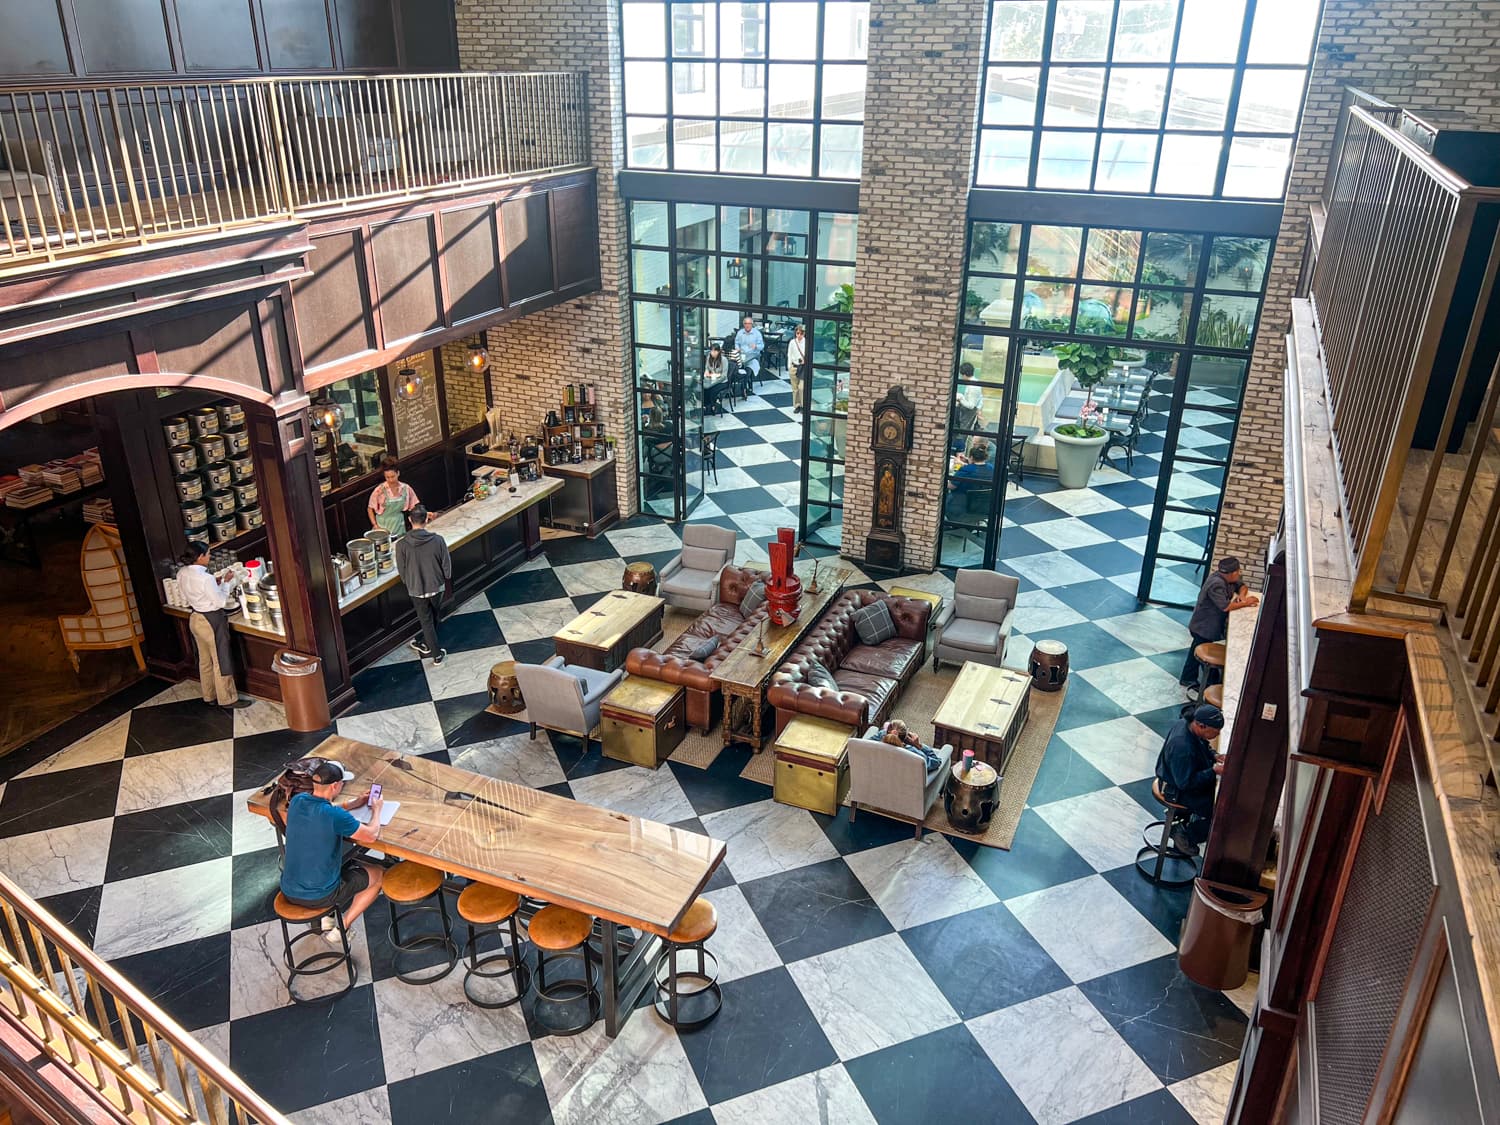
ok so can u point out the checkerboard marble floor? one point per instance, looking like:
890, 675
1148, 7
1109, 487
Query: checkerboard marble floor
867, 976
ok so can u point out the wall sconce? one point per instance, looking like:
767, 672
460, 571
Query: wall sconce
479, 359
736, 271
408, 383
327, 416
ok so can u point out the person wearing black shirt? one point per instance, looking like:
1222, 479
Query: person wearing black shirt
1188, 769
1221, 595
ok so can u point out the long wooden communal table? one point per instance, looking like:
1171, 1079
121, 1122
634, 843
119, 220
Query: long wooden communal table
621, 869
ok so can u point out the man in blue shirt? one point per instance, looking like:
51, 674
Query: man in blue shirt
314, 872
1188, 770
977, 471
749, 343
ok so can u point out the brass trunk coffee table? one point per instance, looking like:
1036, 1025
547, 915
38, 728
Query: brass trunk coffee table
602, 635
984, 711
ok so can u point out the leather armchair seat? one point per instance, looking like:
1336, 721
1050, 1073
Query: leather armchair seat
869, 677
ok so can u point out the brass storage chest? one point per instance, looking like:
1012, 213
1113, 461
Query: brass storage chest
642, 721
812, 766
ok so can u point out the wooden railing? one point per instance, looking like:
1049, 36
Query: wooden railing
93, 169
123, 1054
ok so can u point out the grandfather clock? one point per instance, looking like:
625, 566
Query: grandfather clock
890, 438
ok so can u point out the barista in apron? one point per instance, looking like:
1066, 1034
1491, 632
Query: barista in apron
391, 500
209, 625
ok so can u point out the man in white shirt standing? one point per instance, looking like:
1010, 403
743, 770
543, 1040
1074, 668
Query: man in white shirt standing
209, 625
796, 359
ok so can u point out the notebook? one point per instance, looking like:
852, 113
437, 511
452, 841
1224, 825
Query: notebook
387, 810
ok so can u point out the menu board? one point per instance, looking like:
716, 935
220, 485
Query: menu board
418, 421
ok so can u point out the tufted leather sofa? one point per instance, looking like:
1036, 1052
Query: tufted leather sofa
870, 677
723, 620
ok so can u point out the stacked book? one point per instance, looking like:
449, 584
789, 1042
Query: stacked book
28, 496
31, 474
61, 477
8, 484
99, 509
89, 469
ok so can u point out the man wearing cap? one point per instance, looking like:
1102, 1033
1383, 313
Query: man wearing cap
1187, 768
317, 824
1222, 594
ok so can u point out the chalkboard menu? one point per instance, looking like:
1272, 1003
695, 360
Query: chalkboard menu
418, 420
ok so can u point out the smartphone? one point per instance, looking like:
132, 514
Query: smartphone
374, 794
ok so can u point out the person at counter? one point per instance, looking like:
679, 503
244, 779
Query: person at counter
425, 567
391, 500
1188, 769
209, 625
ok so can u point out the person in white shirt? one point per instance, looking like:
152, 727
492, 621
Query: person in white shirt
209, 625
796, 358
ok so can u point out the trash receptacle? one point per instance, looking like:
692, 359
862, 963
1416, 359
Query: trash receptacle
1216, 936
302, 691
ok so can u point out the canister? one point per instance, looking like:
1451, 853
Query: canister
362, 554
238, 441
177, 430
184, 458
221, 503
195, 513
325, 461
271, 591
254, 605
325, 483
231, 416
385, 556
249, 518
246, 495
223, 529
189, 487
241, 468
217, 477
205, 422
212, 449
321, 439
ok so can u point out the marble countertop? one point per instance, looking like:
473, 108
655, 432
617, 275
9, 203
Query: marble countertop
458, 525
582, 469
238, 623
1236, 657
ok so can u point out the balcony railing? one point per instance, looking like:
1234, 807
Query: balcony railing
98, 169
130, 1060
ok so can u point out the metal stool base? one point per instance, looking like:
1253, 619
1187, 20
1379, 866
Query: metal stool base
670, 994
413, 945
1162, 863
566, 991
514, 957
316, 964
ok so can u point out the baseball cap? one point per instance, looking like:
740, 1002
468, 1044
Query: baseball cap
331, 771
1229, 564
1209, 716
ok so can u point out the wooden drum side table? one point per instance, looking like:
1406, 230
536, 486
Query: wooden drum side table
970, 800
640, 578
505, 692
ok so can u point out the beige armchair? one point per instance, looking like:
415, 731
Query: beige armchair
31, 189
564, 697
975, 624
691, 580
892, 781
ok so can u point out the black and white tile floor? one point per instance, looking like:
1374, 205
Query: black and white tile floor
868, 977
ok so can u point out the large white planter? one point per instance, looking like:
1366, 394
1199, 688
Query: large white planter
1076, 458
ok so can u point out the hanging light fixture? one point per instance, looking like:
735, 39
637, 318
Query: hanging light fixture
327, 415
408, 383
479, 358
736, 271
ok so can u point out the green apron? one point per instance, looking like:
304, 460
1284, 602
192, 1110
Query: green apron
391, 516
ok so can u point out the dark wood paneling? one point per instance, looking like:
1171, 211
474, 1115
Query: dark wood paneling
63, 367
222, 342
470, 264
406, 278
333, 317
526, 248
575, 228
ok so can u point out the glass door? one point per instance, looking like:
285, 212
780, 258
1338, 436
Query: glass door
692, 347
824, 432
985, 444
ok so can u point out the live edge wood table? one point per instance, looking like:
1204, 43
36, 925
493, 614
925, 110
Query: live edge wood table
744, 676
602, 635
623, 870
984, 711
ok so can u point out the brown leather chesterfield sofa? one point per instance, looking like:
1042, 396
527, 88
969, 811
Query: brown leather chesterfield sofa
723, 620
869, 677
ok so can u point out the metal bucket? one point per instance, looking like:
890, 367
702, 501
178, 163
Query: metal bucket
189, 487
213, 449
184, 458
231, 415
177, 430
238, 442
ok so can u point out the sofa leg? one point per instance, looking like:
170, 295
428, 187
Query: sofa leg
853, 811
533, 732
934, 662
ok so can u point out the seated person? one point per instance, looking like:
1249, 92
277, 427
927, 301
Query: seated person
749, 343
1188, 769
973, 469
314, 872
895, 733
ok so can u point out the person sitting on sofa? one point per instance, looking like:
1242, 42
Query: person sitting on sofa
895, 733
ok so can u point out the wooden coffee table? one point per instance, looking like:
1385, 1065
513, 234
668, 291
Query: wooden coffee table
984, 711
602, 635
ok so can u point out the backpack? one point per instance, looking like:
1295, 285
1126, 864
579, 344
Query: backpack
296, 777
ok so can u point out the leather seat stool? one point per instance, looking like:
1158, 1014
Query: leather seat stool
485, 908
1214, 694
411, 885
1170, 861
698, 924
325, 960
1211, 656
560, 934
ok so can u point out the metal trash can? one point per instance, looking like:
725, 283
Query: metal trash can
302, 691
1221, 921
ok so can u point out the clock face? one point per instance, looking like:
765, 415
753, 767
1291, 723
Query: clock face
890, 431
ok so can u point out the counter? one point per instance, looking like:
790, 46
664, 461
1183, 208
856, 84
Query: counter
588, 501
255, 648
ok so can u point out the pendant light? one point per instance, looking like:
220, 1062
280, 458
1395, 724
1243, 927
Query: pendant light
408, 383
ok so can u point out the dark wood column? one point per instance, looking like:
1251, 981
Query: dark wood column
297, 538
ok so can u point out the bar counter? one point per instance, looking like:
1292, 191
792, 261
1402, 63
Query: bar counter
588, 502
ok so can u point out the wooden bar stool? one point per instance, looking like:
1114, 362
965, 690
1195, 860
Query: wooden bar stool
561, 934
314, 964
698, 924
1210, 656
410, 884
1173, 868
484, 908
1214, 694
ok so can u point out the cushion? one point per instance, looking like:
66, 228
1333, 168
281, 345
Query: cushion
975, 636
690, 584
873, 623
977, 608
754, 598
702, 558
705, 649
892, 658
819, 676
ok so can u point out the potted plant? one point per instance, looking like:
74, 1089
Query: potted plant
1078, 442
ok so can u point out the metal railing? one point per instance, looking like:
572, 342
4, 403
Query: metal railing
130, 1058
1378, 108
96, 169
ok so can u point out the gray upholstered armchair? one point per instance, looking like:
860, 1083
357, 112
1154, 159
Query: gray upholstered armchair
564, 697
691, 580
976, 624
892, 781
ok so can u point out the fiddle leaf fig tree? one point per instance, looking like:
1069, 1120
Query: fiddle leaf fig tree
1088, 364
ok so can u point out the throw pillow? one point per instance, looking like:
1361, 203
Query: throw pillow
819, 676
705, 650
754, 598
974, 607
702, 558
873, 623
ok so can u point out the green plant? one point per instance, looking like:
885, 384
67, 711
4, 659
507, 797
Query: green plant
989, 241
973, 305
1219, 328
1088, 364
843, 302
